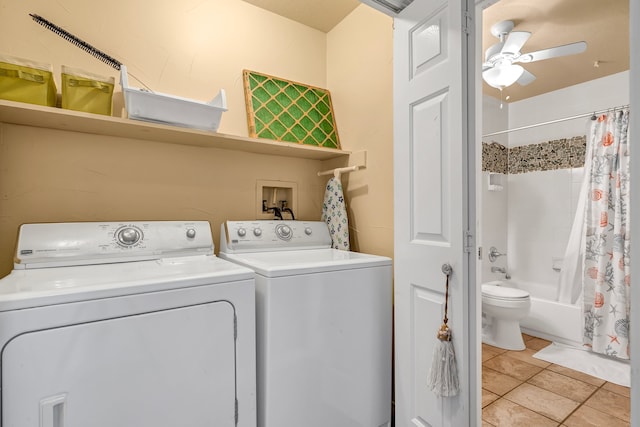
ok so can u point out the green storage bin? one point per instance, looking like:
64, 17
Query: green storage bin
24, 80
88, 92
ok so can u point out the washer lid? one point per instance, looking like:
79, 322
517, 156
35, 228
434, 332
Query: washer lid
496, 291
49, 286
289, 263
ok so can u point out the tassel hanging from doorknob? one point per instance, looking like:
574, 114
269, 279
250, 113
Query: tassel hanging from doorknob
443, 377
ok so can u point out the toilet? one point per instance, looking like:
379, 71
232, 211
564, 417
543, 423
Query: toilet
502, 309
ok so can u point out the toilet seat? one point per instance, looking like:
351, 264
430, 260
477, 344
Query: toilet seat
503, 293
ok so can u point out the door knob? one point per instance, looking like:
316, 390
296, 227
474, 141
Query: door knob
447, 269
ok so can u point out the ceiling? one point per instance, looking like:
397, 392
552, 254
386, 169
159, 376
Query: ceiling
322, 15
603, 24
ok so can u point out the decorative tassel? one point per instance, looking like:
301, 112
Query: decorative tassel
443, 377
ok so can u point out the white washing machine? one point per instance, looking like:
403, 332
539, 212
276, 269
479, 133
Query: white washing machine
323, 320
126, 324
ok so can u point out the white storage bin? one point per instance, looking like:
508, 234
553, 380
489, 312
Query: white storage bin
156, 107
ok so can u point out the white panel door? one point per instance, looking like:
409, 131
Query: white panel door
162, 369
431, 207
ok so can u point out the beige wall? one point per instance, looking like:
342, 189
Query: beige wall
191, 49
52, 176
359, 74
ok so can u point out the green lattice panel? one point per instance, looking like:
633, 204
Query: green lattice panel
288, 111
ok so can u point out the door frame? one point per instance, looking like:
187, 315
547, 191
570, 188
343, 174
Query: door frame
634, 129
474, 134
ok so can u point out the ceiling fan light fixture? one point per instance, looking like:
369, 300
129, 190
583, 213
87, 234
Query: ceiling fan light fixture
493, 50
525, 58
502, 76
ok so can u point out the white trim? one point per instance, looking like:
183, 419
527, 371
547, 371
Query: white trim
379, 7
634, 129
473, 302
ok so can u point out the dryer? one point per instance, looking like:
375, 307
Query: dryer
108, 324
324, 321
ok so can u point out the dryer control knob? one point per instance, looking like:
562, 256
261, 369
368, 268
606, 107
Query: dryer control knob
128, 236
242, 232
257, 232
308, 231
191, 233
284, 232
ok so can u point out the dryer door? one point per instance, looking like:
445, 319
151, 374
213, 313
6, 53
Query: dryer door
166, 368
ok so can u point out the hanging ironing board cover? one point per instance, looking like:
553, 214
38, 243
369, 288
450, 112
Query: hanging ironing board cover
334, 213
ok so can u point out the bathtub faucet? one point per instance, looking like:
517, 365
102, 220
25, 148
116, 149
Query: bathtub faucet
494, 254
502, 270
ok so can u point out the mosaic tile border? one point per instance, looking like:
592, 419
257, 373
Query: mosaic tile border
495, 157
562, 153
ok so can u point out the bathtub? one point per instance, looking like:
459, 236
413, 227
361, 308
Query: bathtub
548, 319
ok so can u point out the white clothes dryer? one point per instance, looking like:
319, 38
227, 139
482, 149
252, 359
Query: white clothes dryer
324, 321
126, 324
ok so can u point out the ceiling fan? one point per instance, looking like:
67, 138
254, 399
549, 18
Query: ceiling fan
501, 68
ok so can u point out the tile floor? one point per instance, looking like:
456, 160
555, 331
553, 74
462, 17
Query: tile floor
519, 390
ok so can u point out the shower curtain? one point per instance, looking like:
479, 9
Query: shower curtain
570, 285
606, 268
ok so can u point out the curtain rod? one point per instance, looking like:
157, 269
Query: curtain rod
553, 121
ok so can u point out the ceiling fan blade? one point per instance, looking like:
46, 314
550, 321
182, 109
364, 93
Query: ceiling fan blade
515, 41
525, 78
553, 52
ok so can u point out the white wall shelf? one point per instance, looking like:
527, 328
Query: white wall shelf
56, 118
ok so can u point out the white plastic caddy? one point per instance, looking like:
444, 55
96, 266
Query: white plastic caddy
157, 107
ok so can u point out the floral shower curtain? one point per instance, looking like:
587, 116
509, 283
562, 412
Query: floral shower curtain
607, 279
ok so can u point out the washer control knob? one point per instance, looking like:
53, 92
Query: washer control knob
308, 231
128, 236
284, 232
191, 233
242, 232
257, 232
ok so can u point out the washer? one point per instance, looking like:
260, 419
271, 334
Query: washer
323, 325
126, 324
